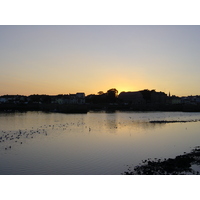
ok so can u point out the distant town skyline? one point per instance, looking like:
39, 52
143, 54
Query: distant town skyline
69, 59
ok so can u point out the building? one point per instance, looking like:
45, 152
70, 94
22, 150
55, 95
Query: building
134, 98
3, 100
175, 100
78, 98
158, 97
143, 97
191, 100
13, 99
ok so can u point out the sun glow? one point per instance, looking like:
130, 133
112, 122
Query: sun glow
125, 89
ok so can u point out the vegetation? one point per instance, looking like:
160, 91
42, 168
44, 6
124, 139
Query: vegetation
111, 96
180, 165
144, 100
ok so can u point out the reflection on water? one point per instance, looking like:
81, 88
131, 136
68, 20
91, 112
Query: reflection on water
93, 143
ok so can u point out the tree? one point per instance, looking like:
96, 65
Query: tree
100, 92
112, 95
113, 91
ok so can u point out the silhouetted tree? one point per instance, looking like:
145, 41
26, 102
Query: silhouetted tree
100, 92
112, 95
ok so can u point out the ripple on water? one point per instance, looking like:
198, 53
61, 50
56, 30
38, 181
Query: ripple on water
94, 143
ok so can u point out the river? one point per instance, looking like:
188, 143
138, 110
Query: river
96, 143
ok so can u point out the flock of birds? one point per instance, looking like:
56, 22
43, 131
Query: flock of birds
10, 138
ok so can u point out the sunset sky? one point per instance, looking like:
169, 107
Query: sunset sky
68, 59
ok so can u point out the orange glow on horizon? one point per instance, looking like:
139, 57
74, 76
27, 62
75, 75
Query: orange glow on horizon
125, 90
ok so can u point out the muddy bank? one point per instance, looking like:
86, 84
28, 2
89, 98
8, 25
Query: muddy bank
173, 121
180, 165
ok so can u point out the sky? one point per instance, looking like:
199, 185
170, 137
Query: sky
91, 58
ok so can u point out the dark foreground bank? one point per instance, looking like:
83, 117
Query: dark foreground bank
180, 165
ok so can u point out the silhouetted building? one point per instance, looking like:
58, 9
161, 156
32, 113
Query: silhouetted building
14, 99
143, 97
78, 98
191, 100
3, 100
175, 100
132, 98
158, 97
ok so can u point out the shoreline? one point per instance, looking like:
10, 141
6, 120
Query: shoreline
185, 164
84, 108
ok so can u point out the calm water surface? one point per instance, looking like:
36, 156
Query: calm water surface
92, 143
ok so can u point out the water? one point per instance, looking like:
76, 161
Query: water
92, 143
